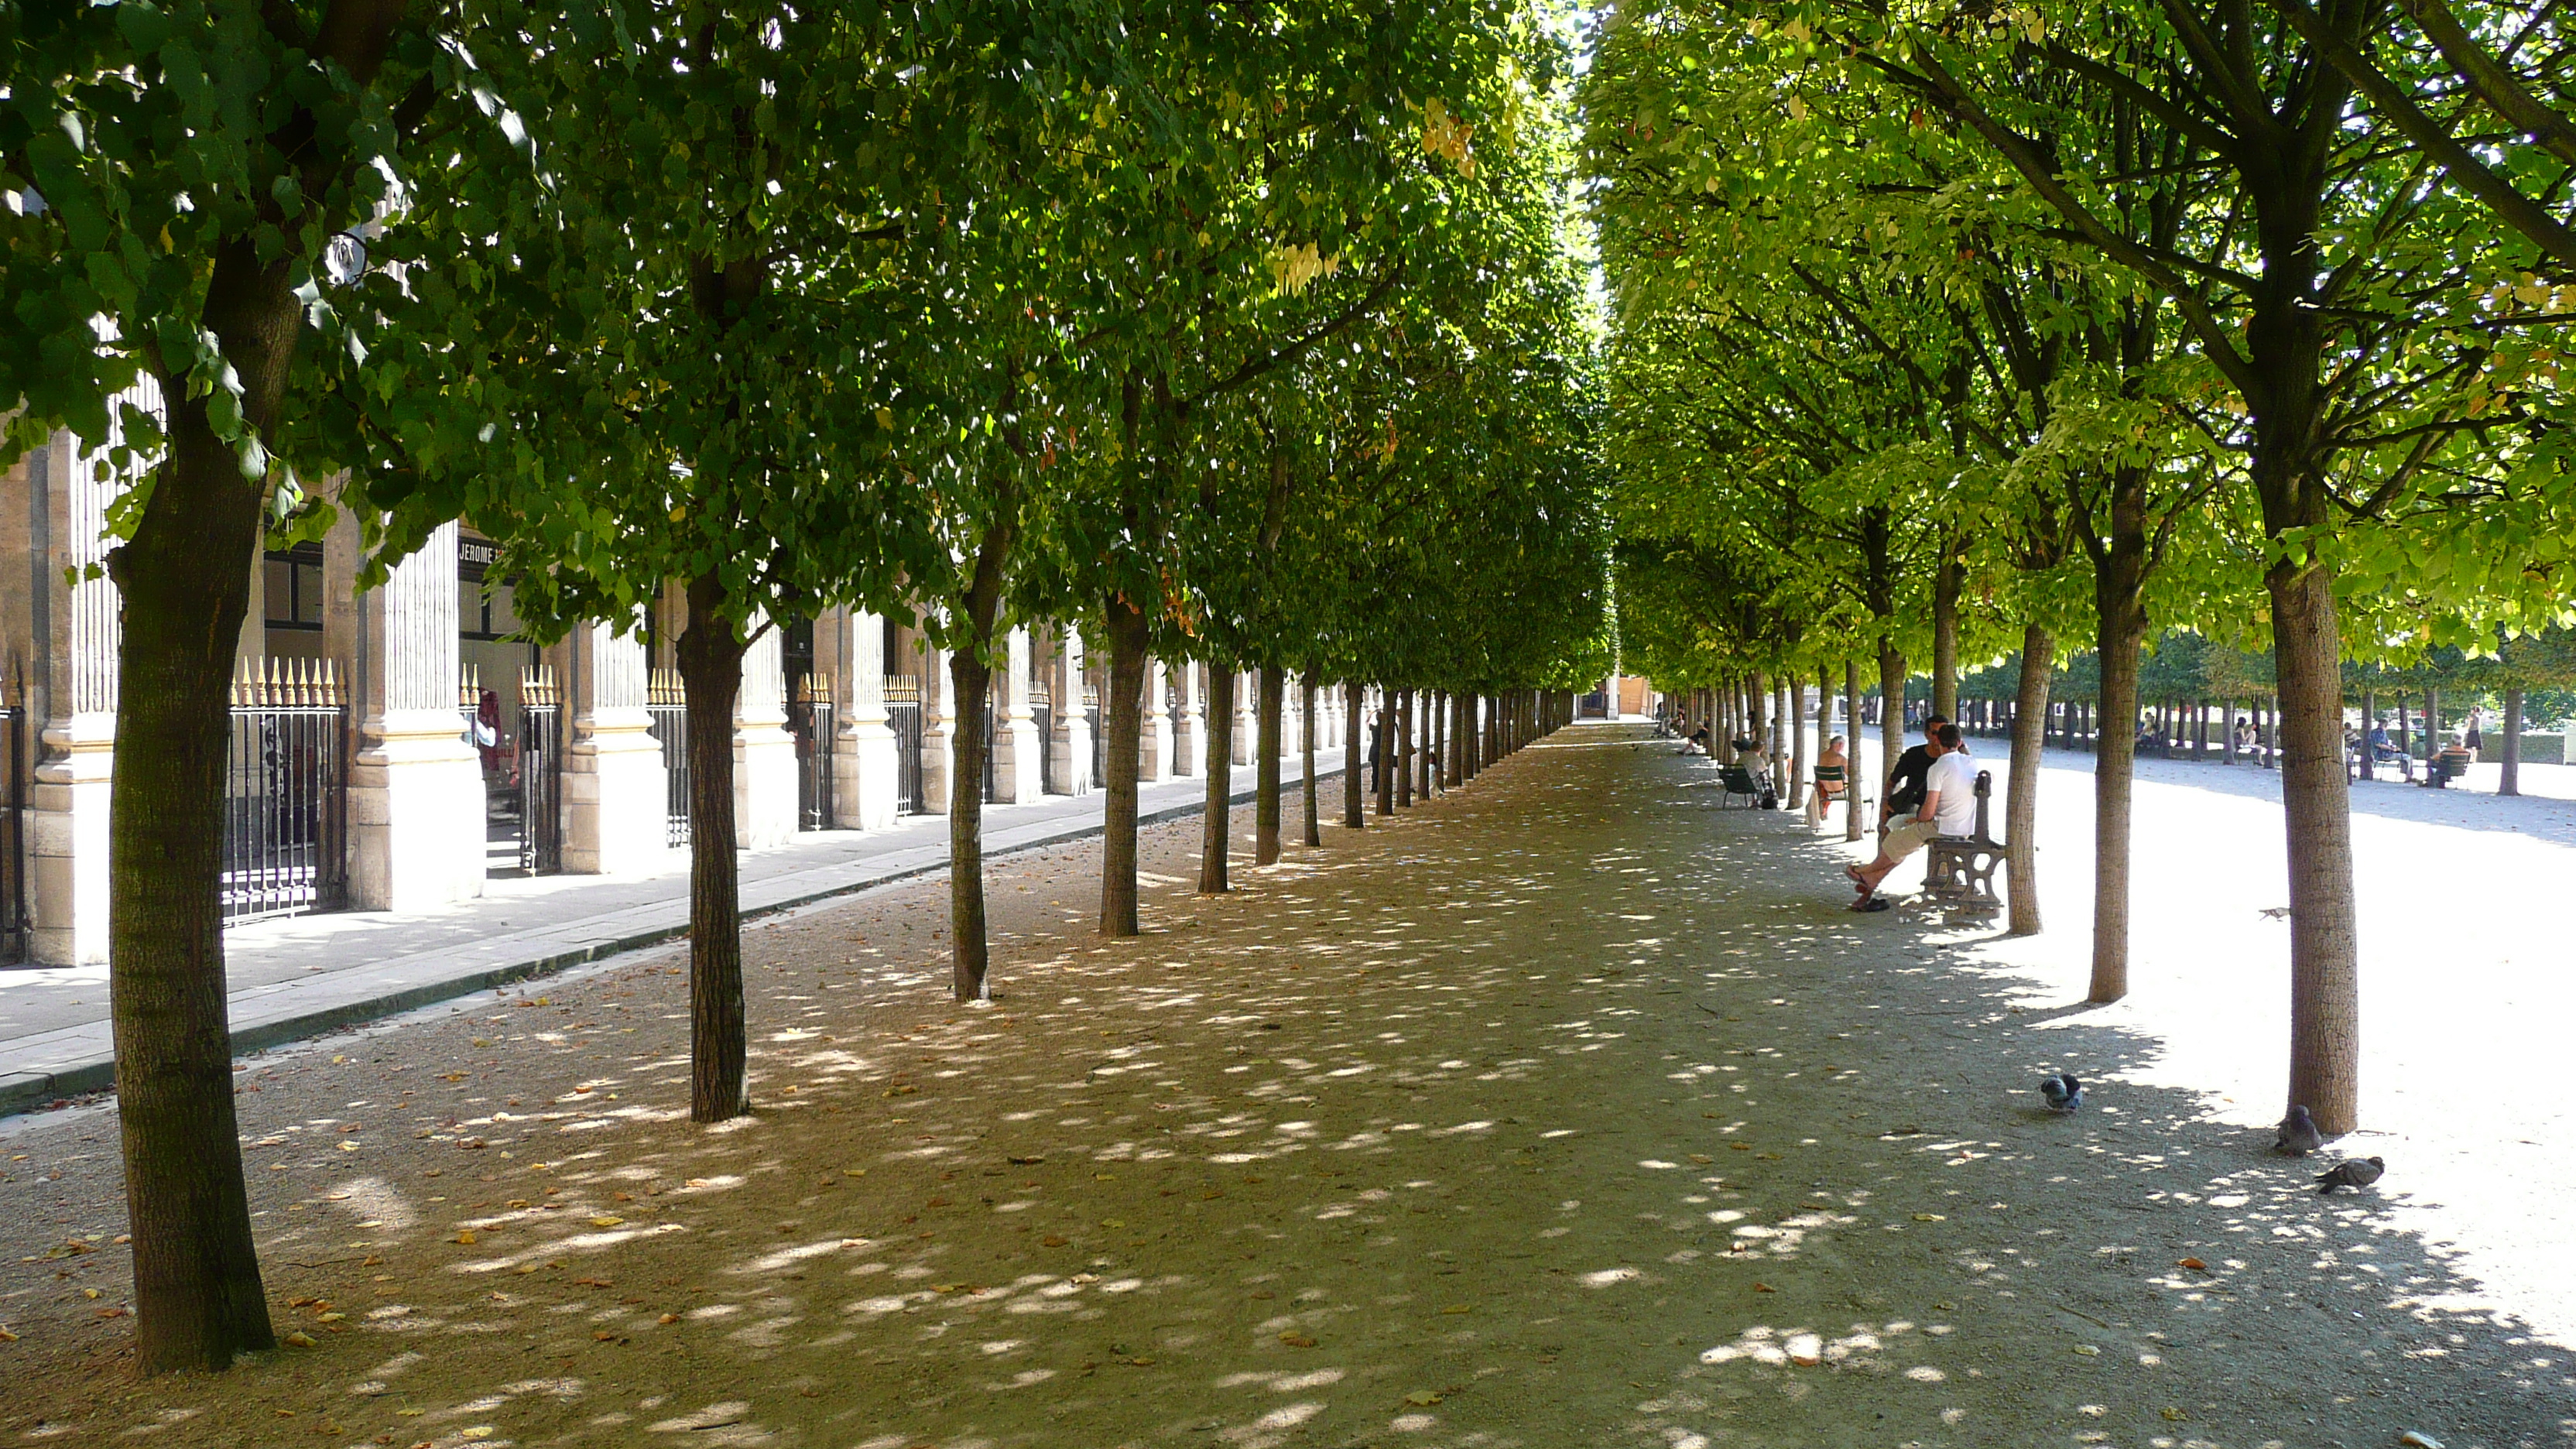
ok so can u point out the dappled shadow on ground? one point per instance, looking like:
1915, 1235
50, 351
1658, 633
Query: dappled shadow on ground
1569, 1110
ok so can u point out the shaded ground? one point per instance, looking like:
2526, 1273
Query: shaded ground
1568, 1110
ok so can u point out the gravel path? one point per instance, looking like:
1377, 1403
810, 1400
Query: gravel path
1566, 1110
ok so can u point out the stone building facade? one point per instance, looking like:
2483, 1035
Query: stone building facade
396, 748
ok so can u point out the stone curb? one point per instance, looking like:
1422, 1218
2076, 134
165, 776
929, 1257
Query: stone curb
25, 1091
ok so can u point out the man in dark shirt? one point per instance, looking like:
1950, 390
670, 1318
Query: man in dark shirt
1905, 785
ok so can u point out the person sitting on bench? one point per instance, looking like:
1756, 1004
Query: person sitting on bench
1949, 808
1833, 777
1696, 742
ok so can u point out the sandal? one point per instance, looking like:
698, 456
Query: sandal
1872, 903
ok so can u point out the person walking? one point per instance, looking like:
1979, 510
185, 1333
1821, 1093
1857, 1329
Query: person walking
2471, 733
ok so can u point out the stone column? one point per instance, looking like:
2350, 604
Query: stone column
1154, 735
1070, 749
616, 794
938, 729
764, 753
864, 779
416, 809
71, 691
1292, 724
1189, 737
1018, 778
1247, 717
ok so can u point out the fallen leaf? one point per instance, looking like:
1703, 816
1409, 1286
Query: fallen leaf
1051, 1241
1026, 1161
2173, 1416
1930, 1218
606, 1220
1764, 1288
2088, 1350
2194, 1264
1422, 1398
667, 1319
1740, 1146
466, 1238
1296, 1340
298, 1339
1702, 1158
1456, 1308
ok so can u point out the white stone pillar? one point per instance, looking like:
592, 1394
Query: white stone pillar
764, 753
864, 778
416, 808
938, 729
1292, 720
1069, 752
1018, 776
616, 793
72, 690
1189, 732
1154, 730
1247, 717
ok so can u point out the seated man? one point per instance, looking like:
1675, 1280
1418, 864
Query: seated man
1949, 808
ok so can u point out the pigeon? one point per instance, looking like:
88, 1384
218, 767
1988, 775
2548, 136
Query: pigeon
2299, 1134
2062, 1090
2355, 1172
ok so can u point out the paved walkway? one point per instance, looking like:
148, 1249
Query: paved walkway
296, 976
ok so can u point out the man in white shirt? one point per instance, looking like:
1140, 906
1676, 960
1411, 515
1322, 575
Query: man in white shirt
1949, 808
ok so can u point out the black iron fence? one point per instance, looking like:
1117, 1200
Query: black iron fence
1099, 746
1042, 709
666, 705
540, 765
13, 836
286, 779
903, 717
809, 719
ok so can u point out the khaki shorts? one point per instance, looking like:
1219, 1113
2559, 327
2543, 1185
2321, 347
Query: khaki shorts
1908, 837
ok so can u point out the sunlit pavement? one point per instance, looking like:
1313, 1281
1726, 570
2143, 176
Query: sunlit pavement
1569, 1109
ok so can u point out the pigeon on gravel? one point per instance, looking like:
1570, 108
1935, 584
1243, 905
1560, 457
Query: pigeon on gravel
2355, 1172
2299, 1135
2063, 1091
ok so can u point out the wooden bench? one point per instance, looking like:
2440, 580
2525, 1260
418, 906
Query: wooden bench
1959, 875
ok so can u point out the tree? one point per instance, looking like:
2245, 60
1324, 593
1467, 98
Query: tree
186, 181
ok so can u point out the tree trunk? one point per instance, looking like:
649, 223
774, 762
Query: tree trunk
710, 655
1947, 581
2366, 766
2325, 1004
2021, 803
198, 1298
1219, 824
1306, 716
1269, 706
1123, 713
1387, 751
2121, 625
1354, 750
970, 683
2509, 781
1891, 716
1404, 748
1794, 717
2432, 723
1852, 776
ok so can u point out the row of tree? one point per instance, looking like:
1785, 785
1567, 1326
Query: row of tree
1244, 334
1954, 333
